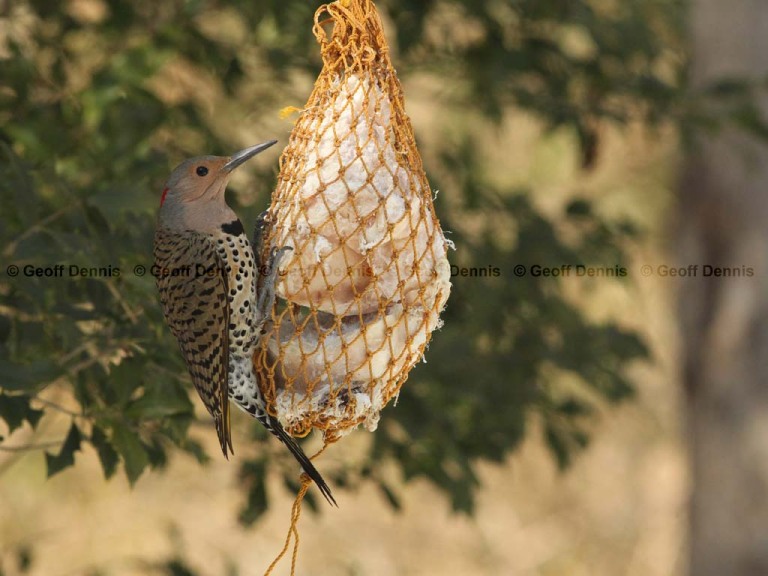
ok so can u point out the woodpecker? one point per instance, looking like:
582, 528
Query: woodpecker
208, 279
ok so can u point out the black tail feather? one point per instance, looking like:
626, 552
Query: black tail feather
302, 459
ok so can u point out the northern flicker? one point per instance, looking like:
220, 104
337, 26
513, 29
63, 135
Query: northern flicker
208, 279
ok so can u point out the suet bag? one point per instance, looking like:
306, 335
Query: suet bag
362, 288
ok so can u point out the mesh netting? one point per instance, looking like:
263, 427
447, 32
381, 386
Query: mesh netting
361, 291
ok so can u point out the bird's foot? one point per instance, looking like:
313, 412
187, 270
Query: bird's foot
267, 292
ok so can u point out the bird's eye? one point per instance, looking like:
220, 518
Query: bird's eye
201, 171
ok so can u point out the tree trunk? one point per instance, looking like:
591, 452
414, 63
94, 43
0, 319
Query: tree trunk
723, 222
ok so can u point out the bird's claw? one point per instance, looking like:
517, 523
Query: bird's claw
267, 293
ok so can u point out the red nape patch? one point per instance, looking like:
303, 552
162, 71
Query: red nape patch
165, 193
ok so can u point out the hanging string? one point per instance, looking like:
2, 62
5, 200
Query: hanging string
293, 531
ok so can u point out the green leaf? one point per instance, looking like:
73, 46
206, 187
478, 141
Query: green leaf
66, 456
130, 448
15, 409
124, 379
196, 449
253, 478
177, 567
156, 454
160, 401
579, 208
33, 416
26, 377
24, 558
558, 443
389, 494
574, 407
107, 455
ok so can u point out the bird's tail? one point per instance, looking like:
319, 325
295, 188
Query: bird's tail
277, 429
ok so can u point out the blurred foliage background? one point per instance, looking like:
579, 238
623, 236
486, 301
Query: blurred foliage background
99, 99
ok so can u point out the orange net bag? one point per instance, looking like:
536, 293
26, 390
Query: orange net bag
361, 292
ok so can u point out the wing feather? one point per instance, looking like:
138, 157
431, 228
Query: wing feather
194, 294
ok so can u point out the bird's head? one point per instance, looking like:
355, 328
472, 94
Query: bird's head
197, 186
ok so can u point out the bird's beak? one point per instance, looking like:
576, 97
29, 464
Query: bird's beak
239, 157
